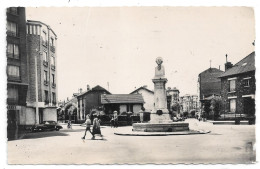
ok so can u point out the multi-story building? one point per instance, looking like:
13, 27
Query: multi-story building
189, 103
173, 98
42, 58
238, 89
17, 67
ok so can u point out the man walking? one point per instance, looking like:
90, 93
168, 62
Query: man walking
88, 123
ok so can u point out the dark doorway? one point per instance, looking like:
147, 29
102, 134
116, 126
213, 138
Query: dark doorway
249, 106
40, 115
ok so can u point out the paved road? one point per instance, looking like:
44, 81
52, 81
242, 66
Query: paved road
225, 144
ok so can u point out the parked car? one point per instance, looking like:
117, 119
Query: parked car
46, 125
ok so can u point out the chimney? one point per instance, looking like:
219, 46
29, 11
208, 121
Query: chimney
228, 65
145, 86
80, 90
219, 67
88, 87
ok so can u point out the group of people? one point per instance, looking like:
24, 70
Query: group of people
95, 128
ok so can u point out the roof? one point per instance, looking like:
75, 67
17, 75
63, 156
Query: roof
121, 98
144, 88
211, 70
96, 88
247, 64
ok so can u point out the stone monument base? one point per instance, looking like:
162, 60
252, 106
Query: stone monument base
161, 127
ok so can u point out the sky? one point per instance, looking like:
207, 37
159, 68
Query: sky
118, 45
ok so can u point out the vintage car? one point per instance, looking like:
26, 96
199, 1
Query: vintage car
46, 125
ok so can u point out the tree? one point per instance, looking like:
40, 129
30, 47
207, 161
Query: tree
215, 107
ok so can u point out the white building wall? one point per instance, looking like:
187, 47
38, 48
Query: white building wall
136, 108
123, 108
30, 116
50, 114
148, 99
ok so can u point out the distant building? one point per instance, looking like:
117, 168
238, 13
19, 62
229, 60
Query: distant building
189, 103
208, 83
148, 96
238, 89
41, 47
173, 97
17, 68
122, 103
90, 100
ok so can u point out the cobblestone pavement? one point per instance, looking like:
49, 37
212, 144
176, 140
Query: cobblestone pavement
225, 144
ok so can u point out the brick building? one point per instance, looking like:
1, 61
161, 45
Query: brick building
17, 67
90, 100
238, 89
41, 51
208, 83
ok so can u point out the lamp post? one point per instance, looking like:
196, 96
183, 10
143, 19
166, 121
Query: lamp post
36, 90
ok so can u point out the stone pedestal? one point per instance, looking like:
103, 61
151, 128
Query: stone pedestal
160, 120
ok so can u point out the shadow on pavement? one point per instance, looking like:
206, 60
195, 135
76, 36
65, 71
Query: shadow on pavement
34, 135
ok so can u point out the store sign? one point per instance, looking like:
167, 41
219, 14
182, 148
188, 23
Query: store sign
11, 107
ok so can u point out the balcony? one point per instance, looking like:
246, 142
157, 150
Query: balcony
44, 43
11, 33
45, 63
46, 82
52, 48
12, 101
53, 85
46, 102
14, 78
53, 67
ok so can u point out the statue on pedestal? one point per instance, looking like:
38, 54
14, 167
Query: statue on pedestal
159, 70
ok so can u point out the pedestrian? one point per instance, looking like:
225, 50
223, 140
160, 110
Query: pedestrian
112, 122
115, 119
96, 127
141, 114
88, 123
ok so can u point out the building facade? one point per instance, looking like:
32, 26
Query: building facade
208, 83
238, 89
42, 58
90, 100
17, 67
122, 103
148, 96
173, 97
189, 103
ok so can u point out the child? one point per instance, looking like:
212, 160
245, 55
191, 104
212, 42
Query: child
112, 122
88, 123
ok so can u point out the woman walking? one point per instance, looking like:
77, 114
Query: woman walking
96, 127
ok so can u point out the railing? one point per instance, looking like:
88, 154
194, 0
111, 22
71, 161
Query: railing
11, 33
52, 49
53, 85
15, 78
45, 82
46, 102
45, 63
12, 101
53, 67
44, 43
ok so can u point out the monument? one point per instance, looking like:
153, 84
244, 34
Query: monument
160, 120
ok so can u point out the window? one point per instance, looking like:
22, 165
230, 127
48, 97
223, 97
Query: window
12, 94
11, 29
46, 96
53, 80
246, 81
45, 77
13, 51
232, 105
53, 98
44, 36
13, 71
52, 42
45, 56
52, 61
232, 85
12, 10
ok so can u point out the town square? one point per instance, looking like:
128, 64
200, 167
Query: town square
130, 85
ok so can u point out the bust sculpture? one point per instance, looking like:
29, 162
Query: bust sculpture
159, 70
